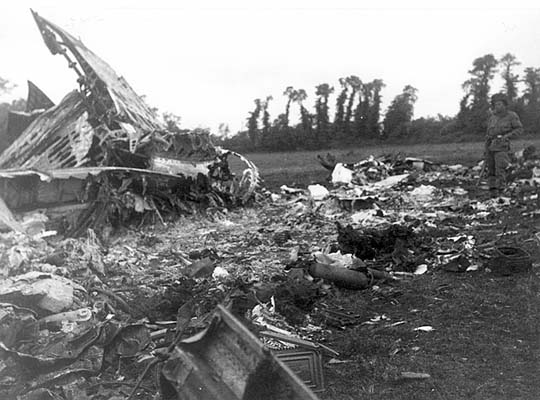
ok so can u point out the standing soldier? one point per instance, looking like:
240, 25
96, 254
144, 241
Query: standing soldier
502, 125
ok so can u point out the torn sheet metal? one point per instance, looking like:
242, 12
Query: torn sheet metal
105, 123
174, 167
82, 173
227, 361
110, 96
24, 189
37, 100
59, 138
103, 128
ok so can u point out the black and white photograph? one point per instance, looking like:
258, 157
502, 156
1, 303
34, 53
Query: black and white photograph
285, 200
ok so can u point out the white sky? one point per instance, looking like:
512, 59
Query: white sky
208, 60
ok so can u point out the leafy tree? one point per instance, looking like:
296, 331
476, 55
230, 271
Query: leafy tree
224, 130
355, 83
508, 62
431, 129
362, 109
305, 118
303, 131
266, 126
483, 71
464, 114
339, 118
321, 112
531, 94
253, 125
368, 110
374, 112
474, 109
290, 92
530, 100
399, 114
266, 116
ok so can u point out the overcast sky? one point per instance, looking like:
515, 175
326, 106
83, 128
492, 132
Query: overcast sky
208, 60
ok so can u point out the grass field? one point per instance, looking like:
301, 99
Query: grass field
485, 343
303, 168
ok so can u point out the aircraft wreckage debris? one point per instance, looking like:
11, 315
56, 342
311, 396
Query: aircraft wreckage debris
101, 155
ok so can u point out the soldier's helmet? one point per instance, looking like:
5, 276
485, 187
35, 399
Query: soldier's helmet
499, 97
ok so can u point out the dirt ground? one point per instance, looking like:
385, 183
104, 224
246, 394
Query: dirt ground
485, 343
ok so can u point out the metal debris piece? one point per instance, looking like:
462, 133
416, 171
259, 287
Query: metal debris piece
343, 277
228, 362
45, 292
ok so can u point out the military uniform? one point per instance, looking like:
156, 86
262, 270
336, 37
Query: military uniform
500, 128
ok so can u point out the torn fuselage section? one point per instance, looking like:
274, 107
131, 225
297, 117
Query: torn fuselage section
137, 164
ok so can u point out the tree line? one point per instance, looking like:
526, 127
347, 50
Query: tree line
351, 113
474, 106
358, 118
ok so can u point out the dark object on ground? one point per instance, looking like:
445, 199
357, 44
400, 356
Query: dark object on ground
295, 298
204, 253
508, 260
328, 161
201, 268
368, 243
342, 277
519, 173
459, 264
339, 318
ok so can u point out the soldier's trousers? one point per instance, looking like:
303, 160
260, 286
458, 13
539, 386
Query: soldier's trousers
496, 164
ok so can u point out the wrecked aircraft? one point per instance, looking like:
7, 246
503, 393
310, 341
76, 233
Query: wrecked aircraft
102, 155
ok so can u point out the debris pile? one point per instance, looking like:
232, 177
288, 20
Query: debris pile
104, 155
373, 169
123, 306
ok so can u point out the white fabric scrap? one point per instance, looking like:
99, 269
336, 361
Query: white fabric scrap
341, 174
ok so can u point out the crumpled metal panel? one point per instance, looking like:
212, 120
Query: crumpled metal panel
37, 100
100, 79
83, 172
226, 361
59, 138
